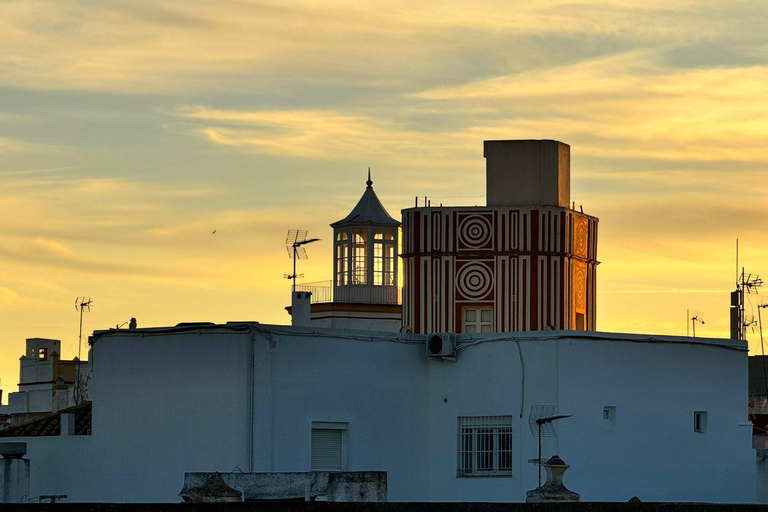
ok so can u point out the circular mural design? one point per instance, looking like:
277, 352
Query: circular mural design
475, 231
580, 286
581, 239
474, 281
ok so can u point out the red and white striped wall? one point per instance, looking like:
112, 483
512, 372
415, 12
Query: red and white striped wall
534, 266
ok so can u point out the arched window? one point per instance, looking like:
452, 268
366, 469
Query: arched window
359, 256
342, 258
384, 258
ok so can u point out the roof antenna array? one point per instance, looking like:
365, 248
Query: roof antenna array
295, 241
746, 284
81, 304
541, 419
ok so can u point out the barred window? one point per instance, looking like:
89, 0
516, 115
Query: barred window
484, 446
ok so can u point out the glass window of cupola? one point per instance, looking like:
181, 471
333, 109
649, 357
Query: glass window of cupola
342, 258
360, 256
383, 258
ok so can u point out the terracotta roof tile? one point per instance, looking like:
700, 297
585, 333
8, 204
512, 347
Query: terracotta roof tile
51, 425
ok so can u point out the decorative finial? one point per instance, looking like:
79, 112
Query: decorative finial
369, 182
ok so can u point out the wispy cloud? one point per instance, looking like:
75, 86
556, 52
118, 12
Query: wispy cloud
140, 46
325, 134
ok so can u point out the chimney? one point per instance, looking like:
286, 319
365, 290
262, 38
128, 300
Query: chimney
300, 308
67, 424
527, 172
60, 396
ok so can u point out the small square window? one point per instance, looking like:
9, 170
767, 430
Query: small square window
700, 421
477, 319
328, 446
42, 354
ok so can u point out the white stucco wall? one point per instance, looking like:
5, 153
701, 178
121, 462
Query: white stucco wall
170, 402
163, 403
359, 321
651, 451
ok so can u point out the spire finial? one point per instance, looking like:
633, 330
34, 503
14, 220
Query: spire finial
369, 182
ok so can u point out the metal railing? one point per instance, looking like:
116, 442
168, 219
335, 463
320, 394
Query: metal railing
322, 292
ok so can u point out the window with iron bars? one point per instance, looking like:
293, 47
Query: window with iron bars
484, 446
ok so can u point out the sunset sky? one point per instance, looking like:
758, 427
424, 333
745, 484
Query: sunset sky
131, 130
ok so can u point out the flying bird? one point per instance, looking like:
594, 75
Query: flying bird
213, 231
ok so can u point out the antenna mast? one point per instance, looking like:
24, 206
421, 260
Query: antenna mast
693, 322
745, 285
540, 420
81, 304
295, 241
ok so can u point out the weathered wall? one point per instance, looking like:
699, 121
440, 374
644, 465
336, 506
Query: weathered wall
14, 480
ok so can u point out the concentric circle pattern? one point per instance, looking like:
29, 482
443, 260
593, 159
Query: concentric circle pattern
475, 281
475, 231
580, 286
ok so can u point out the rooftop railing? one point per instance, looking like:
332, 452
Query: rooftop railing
322, 292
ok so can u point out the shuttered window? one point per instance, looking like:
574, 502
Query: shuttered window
328, 446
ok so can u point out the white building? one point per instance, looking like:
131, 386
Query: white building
661, 418
47, 383
447, 416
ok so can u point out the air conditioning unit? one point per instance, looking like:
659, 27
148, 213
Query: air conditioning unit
441, 345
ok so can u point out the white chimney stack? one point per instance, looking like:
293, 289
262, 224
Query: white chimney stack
300, 308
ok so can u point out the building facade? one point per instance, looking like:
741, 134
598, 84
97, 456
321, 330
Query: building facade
525, 262
511, 287
270, 398
47, 383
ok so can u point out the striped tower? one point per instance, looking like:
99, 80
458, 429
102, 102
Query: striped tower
525, 262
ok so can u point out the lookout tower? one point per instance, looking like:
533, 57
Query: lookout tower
365, 253
364, 292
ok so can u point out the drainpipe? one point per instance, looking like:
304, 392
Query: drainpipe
251, 390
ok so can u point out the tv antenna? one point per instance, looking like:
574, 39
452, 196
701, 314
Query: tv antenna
746, 284
81, 304
541, 421
693, 323
295, 241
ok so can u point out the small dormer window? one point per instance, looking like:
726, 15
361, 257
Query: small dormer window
42, 354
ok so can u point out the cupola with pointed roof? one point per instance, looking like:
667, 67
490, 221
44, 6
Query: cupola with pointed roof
365, 252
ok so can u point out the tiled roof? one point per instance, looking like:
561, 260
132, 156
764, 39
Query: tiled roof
50, 425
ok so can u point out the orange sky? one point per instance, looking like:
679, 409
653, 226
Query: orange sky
130, 130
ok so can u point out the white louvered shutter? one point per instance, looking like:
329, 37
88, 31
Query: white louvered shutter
326, 449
